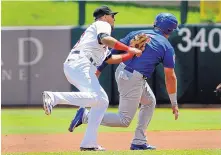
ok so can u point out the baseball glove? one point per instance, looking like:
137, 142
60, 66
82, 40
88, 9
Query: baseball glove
218, 90
139, 41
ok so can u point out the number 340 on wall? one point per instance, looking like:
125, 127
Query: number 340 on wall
200, 40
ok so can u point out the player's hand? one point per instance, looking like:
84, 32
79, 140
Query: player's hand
97, 73
175, 110
135, 51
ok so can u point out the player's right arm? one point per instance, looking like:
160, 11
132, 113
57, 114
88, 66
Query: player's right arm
103, 37
115, 44
117, 56
171, 80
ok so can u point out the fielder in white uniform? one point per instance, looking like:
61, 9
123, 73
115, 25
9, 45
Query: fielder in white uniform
79, 69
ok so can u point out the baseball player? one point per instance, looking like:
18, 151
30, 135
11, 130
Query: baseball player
132, 86
79, 69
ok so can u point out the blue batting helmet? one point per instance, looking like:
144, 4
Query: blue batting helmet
166, 22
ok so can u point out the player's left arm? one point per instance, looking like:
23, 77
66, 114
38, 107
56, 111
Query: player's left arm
171, 80
114, 57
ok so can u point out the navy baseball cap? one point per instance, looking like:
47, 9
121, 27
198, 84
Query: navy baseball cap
103, 10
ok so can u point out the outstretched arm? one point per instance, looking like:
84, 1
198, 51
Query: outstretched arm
117, 45
113, 58
116, 59
138, 41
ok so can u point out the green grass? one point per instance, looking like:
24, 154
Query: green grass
21, 13
157, 152
23, 121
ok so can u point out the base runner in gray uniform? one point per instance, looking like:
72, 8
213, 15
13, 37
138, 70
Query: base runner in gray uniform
132, 86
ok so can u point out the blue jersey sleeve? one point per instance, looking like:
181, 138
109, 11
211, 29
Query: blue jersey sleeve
126, 40
102, 66
169, 58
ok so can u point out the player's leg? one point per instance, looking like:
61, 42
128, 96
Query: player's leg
95, 117
81, 74
96, 112
78, 73
130, 89
148, 103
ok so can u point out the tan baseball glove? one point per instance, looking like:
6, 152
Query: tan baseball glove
139, 41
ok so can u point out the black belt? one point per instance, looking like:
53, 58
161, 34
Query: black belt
131, 70
91, 59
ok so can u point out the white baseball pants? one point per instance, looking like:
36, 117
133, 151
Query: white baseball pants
81, 73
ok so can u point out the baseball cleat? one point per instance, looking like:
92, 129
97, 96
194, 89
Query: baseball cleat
47, 102
77, 121
142, 147
99, 148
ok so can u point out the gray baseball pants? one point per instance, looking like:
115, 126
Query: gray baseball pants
133, 89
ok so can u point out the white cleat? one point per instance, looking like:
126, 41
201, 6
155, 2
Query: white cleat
47, 102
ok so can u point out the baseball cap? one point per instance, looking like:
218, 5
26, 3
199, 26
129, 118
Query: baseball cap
103, 10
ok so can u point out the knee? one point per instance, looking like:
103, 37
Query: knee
150, 102
125, 121
102, 100
153, 101
125, 124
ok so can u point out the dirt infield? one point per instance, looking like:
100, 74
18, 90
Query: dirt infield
111, 141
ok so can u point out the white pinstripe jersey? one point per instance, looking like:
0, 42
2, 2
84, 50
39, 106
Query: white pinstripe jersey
88, 44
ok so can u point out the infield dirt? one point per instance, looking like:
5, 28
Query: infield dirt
165, 140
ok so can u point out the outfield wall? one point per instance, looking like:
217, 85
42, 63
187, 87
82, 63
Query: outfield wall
32, 61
